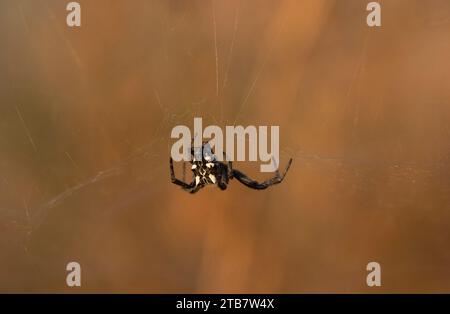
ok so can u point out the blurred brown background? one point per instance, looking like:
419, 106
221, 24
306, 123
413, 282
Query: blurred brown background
85, 120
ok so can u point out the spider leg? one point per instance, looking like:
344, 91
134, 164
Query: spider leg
244, 179
223, 182
184, 185
229, 166
195, 189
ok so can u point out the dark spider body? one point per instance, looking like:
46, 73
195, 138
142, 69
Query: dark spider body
209, 170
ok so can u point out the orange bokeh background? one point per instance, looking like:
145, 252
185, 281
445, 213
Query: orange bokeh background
85, 121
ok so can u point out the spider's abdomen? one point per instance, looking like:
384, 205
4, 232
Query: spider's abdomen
204, 173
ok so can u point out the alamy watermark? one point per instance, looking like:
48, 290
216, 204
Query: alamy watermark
236, 138
73, 278
373, 279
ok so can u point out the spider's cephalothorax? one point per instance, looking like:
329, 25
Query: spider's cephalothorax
206, 169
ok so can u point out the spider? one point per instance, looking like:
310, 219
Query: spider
208, 171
